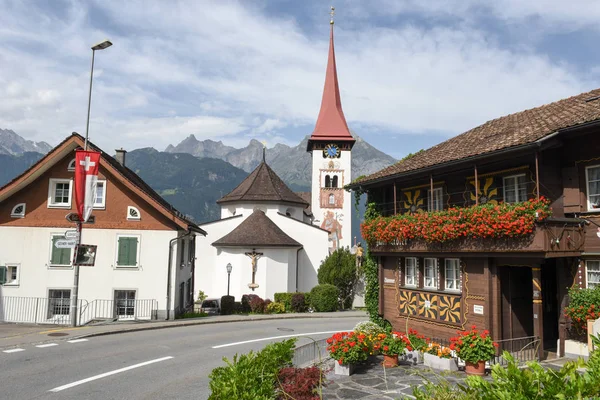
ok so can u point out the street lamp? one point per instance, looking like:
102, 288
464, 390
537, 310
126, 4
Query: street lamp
75, 297
229, 268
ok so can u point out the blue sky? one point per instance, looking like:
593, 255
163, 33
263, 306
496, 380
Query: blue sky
412, 73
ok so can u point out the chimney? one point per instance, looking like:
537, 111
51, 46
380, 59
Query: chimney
120, 156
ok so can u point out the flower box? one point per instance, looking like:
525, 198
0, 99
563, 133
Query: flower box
435, 362
344, 369
413, 357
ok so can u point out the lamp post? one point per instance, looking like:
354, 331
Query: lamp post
75, 297
229, 268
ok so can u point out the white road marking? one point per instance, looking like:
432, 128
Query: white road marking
13, 350
275, 337
104, 375
41, 346
77, 340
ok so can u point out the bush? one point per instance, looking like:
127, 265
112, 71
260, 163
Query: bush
246, 299
324, 298
286, 299
251, 376
227, 305
299, 303
237, 308
267, 302
257, 305
276, 308
368, 328
191, 315
339, 269
300, 383
584, 304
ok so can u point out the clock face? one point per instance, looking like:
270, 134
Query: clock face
331, 151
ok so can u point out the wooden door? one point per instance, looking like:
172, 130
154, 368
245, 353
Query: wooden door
517, 302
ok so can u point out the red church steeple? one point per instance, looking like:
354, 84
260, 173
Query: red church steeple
331, 124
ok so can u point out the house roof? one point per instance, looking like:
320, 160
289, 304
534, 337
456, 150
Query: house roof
138, 185
513, 130
263, 185
257, 231
331, 124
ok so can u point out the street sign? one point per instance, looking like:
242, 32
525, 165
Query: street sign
74, 217
72, 235
66, 244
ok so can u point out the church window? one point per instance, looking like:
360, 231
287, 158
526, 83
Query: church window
331, 199
334, 181
327, 181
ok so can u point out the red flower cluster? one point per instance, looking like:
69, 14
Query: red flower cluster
483, 221
348, 347
580, 315
473, 346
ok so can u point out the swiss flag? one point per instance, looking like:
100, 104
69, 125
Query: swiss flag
86, 181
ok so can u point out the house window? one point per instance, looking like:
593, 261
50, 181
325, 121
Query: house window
437, 200
71, 166
515, 189
100, 198
452, 274
592, 175
59, 302
410, 274
133, 213
431, 272
125, 303
59, 193
593, 273
331, 199
59, 257
128, 250
9, 275
18, 211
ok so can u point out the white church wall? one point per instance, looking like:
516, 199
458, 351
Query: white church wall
270, 209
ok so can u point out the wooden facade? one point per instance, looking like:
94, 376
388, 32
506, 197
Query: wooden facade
514, 287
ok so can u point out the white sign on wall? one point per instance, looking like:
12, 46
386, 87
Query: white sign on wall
478, 309
389, 280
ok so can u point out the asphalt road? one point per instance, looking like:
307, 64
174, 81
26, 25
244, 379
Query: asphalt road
157, 364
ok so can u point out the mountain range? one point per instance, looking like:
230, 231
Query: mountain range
13, 144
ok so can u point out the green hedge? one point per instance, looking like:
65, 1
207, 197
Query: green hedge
286, 299
251, 376
324, 298
227, 305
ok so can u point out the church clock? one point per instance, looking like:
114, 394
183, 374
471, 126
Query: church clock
331, 151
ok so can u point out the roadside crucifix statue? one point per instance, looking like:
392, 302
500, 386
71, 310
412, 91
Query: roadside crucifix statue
254, 256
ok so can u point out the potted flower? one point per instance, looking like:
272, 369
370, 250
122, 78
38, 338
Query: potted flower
439, 357
415, 344
391, 345
475, 349
347, 349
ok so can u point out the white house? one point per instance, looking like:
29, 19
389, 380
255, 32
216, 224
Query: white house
145, 261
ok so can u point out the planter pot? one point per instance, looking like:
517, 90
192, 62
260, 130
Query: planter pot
444, 364
413, 357
475, 369
344, 369
390, 361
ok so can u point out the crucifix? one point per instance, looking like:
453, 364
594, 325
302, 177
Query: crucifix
254, 256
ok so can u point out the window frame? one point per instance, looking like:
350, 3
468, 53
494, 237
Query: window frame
52, 191
102, 204
50, 264
587, 189
14, 214
439, 191
587, 276
7, 268
331, 200
71, 166
457, 281
435, 274
415, 275
52, 306
127, 304
138, 251
517, 188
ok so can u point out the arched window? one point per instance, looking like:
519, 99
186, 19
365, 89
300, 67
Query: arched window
133, 213
71, 166
327, 181
331, 199
18, 211
334, 181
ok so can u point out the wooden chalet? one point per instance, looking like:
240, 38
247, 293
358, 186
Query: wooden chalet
514, 285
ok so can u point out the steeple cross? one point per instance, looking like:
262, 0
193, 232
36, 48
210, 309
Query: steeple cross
254, 256
87, 164
332, 13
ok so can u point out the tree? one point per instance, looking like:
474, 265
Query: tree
339, 269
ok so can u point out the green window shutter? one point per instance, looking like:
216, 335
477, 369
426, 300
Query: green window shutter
133, 244
127, 251
60, 256
2, 275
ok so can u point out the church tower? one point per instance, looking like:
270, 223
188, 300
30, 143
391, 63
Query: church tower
330, 146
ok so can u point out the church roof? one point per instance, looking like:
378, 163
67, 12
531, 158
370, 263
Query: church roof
263, 185
257, 231
331, 124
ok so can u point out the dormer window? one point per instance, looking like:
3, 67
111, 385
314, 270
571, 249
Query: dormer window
133, 214
18, 211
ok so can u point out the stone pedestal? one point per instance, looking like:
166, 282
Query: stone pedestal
344, 369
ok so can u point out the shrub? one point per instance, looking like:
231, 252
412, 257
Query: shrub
251, 376
227, 305
257, 305
246, 299
275, 308
267, 302
584, 304
237, 307
191, 315
286, 299
368, 328
201, 296
391, 345
299, 383
324, 298
339, 269
299, 302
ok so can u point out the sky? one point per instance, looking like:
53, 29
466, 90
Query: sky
412, 73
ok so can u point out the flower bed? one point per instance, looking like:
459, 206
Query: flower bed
483, 221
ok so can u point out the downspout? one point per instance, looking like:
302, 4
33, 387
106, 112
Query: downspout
188, 233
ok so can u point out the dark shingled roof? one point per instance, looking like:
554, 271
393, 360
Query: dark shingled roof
257, 231
509, 131
262, 185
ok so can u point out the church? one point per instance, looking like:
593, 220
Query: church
270, 239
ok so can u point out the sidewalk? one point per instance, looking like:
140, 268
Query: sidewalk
13, 335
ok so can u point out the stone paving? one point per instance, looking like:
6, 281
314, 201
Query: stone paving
371, 381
